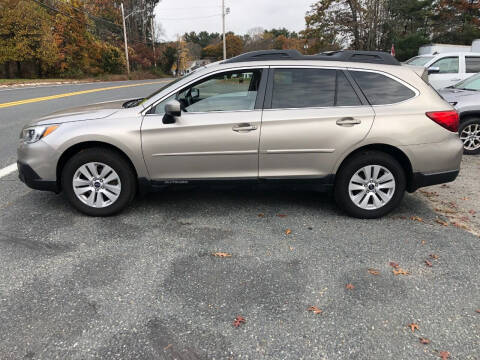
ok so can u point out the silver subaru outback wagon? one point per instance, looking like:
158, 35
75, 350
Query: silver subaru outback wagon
358, 123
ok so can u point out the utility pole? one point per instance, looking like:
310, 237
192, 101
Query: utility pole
224, 40
153, 42
125, 38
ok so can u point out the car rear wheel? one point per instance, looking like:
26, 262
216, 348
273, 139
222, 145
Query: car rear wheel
470, 135
98, 182
370, 185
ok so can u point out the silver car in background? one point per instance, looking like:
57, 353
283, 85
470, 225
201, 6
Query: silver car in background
358, 123
465, 96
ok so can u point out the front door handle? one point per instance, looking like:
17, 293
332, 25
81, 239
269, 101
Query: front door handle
348, 121
244, 128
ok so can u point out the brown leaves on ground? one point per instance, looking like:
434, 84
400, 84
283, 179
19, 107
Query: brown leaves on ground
424, 341
222, 255
472, 212
288, 232
435, 257
444, 355
413, 327
282, 215
416, 218
428, 263
400, 271
374, 271
261, 215
441, 222
394, 264
315, 310
478, 311
239, 320
350, 287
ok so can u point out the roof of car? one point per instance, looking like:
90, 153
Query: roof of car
466, 53
372, 57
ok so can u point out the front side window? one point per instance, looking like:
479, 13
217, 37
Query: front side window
302, 88
473, 64
448, 65
380, 89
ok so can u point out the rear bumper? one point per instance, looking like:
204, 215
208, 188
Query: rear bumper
28, 176
420, 180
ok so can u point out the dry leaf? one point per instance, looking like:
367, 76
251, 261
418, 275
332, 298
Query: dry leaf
261, 215
350, 286
288, 232
399, 271
472, 212
478, 311
424, 341
282, 215
441, 222
222, 254
394, 264
465, 199
315, 310
413, 326
433, 256
428, 263
374, 271
423, 242
416, 218
444, 355
239, 320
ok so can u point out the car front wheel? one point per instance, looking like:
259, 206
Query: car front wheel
370, 185
98, 182
470, 135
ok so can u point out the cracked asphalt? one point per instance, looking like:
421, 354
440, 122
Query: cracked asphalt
144, 284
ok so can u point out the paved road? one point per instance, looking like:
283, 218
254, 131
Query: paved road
144, 285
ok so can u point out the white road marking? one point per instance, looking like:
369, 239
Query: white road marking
8, 170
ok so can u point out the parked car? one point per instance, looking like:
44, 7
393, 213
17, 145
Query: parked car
355, 122
465, 96
447, 69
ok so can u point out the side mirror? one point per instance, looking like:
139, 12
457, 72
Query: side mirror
433, 70
172, 110
195, 93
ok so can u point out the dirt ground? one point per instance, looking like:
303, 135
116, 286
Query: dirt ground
458, 203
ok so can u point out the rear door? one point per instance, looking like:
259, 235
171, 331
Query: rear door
472, 65
312, 115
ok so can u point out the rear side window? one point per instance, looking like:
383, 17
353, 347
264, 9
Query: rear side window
473, 64
302, 88
380, 89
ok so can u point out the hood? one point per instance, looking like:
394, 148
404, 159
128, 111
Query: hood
89, 112
458, 95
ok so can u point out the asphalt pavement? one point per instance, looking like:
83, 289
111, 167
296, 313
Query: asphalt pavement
145, 285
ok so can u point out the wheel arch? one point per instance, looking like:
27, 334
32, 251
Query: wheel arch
75, 149
393, 151
467, 115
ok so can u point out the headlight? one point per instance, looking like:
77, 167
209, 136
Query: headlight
32, 134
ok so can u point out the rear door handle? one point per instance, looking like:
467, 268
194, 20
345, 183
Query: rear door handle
348, 121
244, 128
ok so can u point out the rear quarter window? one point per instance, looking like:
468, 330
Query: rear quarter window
380, 89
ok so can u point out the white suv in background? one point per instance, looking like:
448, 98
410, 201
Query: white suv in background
448, 69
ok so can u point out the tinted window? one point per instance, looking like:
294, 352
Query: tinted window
473, 64
301, 88
346, 96
380, 89
448, 65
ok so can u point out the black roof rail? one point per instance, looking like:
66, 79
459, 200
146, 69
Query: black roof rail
372, 57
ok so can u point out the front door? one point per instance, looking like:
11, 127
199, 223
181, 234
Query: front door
449, 72
217, 135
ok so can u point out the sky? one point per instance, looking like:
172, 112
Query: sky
180, 16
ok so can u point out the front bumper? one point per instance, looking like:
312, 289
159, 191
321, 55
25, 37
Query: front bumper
420, 180
28, 176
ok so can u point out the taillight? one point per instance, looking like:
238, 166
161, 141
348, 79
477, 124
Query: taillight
448, 119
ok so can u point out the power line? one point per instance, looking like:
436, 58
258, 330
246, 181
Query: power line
191, 18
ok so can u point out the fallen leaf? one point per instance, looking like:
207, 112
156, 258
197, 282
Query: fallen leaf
465, 199
350, 286
315, 310
424, 341
441, 222
288, 232
428, 263
374, 271
239, 320
400, 272
444, 355
478, 311
394, 264
423, 242
261, 215
472, 212
413, 326
282, 215
433, 256
222, 254
167, 347
416, 218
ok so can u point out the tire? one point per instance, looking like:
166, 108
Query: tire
115, 190
470, 125
386, 193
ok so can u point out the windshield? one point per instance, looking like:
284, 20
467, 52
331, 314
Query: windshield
472, 83
419, 60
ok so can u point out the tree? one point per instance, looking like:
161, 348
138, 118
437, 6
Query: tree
234, 48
